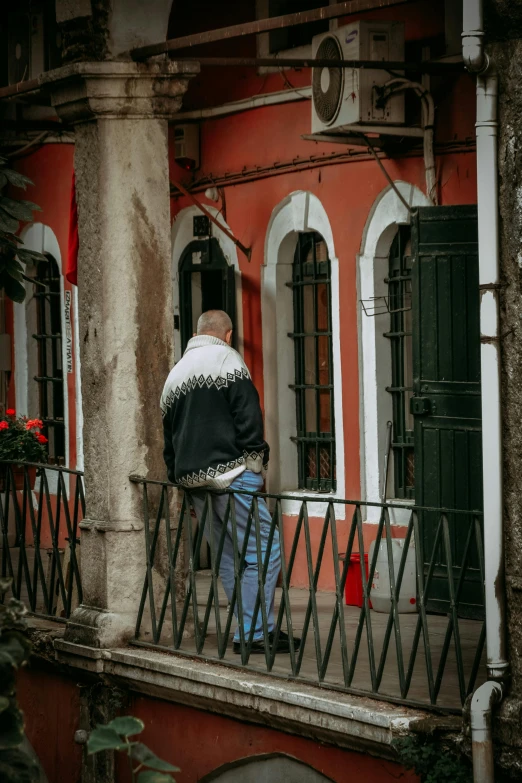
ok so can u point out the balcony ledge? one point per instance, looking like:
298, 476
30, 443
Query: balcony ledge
352, 722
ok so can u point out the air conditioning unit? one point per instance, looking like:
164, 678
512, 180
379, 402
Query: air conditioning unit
345, 97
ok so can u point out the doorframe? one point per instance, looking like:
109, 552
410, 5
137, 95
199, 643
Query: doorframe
374, 350
182, 235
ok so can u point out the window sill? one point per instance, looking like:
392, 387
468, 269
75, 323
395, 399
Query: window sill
315, 508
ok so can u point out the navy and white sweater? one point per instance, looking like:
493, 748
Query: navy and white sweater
212, 422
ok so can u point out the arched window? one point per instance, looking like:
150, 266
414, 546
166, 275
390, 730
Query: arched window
312, 335
206, 282
48, 336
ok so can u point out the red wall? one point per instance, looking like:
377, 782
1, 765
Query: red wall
272, 135
51, 706
50, 167
347, 193
200, 742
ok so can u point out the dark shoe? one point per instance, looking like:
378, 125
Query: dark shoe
283, 644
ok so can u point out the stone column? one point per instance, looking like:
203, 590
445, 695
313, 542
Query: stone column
120, 112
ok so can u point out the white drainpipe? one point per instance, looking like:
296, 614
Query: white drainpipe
482, 703
477, 61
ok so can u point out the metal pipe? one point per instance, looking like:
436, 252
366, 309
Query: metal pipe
383, 169
423, 66
385, 469
428, 124
247, 251
489, 278
482, 704
475, 58
19, 88
262, 26
295, 165
246, 104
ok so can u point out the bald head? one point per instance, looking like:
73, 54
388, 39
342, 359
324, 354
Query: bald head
216, 323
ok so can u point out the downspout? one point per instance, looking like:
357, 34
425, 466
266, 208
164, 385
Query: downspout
477, 61
482, 703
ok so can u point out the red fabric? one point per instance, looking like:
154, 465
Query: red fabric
72, 246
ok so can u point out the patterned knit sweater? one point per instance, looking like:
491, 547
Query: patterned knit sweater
212, 422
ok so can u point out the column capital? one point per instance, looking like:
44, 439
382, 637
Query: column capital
85, 91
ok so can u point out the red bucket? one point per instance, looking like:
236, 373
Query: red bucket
353, 589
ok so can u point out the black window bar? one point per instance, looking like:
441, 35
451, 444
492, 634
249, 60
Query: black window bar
50, 368
312, 335
400, 336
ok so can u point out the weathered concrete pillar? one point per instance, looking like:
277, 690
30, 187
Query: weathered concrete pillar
120, 111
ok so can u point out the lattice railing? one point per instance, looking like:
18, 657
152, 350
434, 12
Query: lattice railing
41, 507
428, 653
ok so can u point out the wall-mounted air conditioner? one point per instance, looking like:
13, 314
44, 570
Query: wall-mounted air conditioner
344, 97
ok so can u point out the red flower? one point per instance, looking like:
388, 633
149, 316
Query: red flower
34, 424
11, 412
41, 439
4, 425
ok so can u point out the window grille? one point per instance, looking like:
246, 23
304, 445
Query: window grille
400, 336
50, 370
313, 386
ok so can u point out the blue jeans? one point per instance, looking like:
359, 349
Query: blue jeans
250, 482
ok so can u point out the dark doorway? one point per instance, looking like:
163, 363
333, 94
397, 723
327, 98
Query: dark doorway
207, 282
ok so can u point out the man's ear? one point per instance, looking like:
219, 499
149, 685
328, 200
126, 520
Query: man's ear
194, 334
228, 337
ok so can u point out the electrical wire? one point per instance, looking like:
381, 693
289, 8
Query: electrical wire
38, 140
428, 123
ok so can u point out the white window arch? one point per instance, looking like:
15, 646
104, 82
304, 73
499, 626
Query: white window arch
374, 349
300, 211
183, 235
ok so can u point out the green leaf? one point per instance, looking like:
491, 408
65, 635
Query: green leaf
8, 239
32, 206
17, 179
104, 738
14, 268
144, 755
11, 728
12, 651
126, 726
151, 776
21, 210
4, 703
13, 288
3, 180
17, 767
30, 256
8, 223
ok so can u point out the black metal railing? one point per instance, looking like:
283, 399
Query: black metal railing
41, 507
431, 655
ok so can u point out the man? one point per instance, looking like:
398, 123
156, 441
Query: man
213, 431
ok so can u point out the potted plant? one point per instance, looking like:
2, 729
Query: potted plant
21, 440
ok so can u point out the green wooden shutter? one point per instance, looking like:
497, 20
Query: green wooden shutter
446, 385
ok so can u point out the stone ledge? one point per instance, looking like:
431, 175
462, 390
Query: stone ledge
344, 720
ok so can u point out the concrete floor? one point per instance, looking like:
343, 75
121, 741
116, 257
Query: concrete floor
316, 640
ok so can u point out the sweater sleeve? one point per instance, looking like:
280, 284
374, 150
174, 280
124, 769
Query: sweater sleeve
248, 420
168, 448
